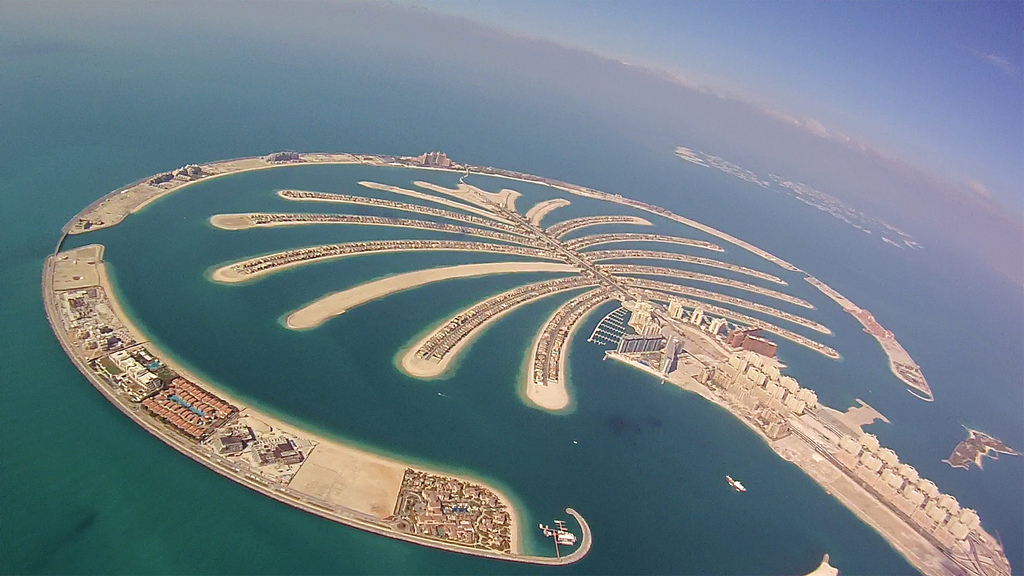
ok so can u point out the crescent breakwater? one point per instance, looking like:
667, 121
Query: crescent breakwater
201, 421
320, 475
900, 362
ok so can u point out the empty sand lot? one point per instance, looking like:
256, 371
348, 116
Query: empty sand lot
352, 478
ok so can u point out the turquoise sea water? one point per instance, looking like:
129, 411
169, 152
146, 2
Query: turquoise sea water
84, 490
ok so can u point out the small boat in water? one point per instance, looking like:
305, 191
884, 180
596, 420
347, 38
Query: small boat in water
736, 484
561, 535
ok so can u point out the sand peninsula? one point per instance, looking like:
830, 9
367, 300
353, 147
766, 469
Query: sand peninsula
319, 311
198, 419
541, 209
925, 526
900, 362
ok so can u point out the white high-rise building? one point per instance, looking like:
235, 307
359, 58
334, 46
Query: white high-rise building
675, 308
869, 442
641, 317
697, 317
717, 326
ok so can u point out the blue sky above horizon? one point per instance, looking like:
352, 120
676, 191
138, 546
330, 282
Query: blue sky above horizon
910, 111
938, 85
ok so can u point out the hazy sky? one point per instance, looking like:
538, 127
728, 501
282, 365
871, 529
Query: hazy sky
913, 112
939, 85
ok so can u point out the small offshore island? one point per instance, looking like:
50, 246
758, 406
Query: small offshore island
977, 446
673, 331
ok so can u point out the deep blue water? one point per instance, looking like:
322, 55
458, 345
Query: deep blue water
85, 491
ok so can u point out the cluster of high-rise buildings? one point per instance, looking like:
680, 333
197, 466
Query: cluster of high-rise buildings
650, 336
642, 319
739, 338
677, 311
434, 160
900, 486
749, 381
753, 380
638, 343
657, 290
778, 402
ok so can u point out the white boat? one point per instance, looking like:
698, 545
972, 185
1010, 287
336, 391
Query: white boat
561, 535
566, 538
736, 484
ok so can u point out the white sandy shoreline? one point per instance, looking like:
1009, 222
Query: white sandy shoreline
322, 309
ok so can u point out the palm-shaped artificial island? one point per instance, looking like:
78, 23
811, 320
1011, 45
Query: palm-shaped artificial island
673, 322
494, 218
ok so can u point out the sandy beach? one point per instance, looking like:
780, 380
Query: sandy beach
319, 311
116, 206
553, 398
542, 208
232, 221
